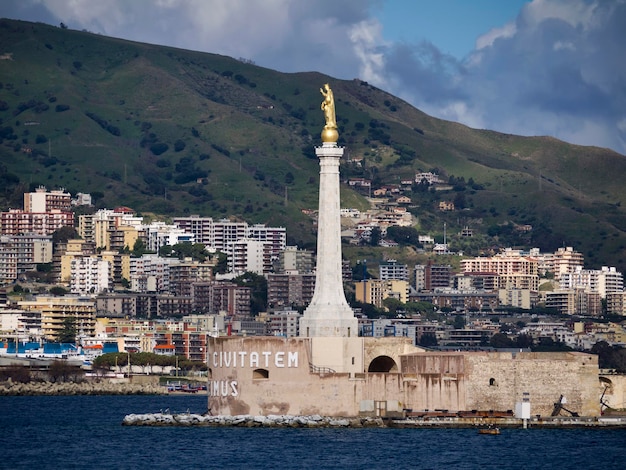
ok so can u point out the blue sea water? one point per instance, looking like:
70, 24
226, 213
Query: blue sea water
85, 432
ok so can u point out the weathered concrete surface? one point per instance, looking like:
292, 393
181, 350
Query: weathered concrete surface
269, 375
613, 393
544, 376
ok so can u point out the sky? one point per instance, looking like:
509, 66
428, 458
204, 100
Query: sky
525, 67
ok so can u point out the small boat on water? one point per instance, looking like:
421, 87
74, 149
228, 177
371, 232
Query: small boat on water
489, 431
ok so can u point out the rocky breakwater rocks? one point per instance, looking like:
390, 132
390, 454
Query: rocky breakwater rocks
79, 388
250, 421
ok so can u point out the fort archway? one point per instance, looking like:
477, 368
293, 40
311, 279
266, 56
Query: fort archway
383, 364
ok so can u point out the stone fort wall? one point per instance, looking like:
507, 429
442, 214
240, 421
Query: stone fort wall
267, 375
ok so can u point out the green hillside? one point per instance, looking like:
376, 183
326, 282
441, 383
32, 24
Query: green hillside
171, 132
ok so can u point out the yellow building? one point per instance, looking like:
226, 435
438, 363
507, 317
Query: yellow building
374, 291
119, 265
74, 248
55, 310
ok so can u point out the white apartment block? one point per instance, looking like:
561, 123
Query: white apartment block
284, 323
520, 298
218, 235
23, 323
213, 234
82, 199
89, 275
275, 236
248, 255
150, 273
601, 281
391, 269
43, 200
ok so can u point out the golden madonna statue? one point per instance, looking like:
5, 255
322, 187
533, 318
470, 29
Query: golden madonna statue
329, 134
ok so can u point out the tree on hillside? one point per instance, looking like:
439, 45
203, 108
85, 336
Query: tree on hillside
58, 290
258, 285
393, 306
404, 235
375, 236
195, 251
139, 248
64, 234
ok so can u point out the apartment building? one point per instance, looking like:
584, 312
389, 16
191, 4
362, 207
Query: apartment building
17, 221
98, 227
159, 234
64, 254
564, 260
616, 303
248, 255
283, 323
511, 268
573, 301
150, 273
374, 291
89, 275
22, 253
294, 260
432, 276
220, 235
43, 200
458, 300
602, 281
182, 274
290, 289
392, 269
55, 310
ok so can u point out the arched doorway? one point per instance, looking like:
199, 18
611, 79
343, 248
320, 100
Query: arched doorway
383, 364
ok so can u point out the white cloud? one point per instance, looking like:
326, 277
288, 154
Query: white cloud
557, 70
366, 39
574, 12
488, 38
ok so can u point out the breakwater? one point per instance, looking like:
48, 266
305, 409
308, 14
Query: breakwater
10, 388
187, 419
317, 421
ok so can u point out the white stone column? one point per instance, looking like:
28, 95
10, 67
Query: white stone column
328, 314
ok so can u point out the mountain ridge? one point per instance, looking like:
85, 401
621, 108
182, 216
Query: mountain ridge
173, 132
